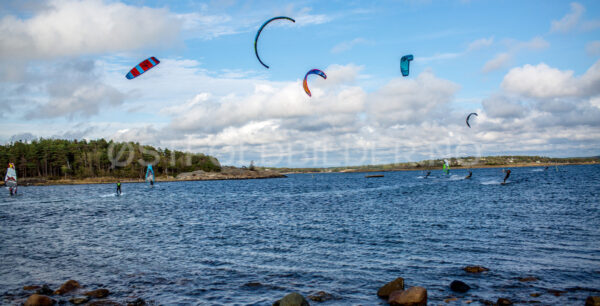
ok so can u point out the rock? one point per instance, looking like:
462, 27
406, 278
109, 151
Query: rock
292, 299
103, 303
137, 302
528, 279
503, 301
592, 301
486, 302
79, 300
320, 296
413, 296
556, 292
45, 290
395, 285
67, 287
29, 288
253, 284
535, 294
39, 300
475, 269
99, 293
459, 286
448, 300
468, 301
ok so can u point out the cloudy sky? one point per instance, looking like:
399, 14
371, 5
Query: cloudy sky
530, 69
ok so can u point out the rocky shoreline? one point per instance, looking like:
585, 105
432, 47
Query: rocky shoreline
393, 293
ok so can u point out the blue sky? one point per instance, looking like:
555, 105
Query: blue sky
529, 68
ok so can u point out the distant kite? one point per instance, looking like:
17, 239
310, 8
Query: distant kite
258, 34
142, 67
405, 64
312, 71
469, 117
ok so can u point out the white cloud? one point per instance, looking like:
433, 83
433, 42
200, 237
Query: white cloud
593, 48
570, 20
480, 43
500, 61
347, 45
69, 27
542, 81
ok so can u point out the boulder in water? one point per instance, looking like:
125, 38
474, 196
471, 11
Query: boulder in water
45, 290
79, 300
413, 296
39, 300
320, 296
137, 302
292, 299
503, 301
592, 301
29, 288
395, 285
528, 279
67, 287
458, 286
475, 269
98, 293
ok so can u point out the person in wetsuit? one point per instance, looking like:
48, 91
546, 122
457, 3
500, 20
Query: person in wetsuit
427, 174
506, 176
119, 188
470, 174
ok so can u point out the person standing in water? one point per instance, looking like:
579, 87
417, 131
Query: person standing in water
427, 174
470, 174
506, 176
119, 188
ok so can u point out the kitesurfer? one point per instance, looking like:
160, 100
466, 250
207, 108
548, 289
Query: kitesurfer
427, 174
151, 182
119, 188
506, 176
470, 174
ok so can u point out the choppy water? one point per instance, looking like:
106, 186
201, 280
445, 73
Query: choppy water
203, 242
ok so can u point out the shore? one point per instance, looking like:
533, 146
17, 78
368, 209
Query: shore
227, 173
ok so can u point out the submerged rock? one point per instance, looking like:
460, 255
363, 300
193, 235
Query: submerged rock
320, 296
137, 302
292, 299
475, 269
413, 296
458, 286
79, 300
535, 294
503, 301
99, 293
592, 301
395, 285
528, 279
448, 300
29, 288
253, 284
67, 287
556, 292
45, 290
39, 300
103, 303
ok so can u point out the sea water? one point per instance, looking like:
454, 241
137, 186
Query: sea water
254, 241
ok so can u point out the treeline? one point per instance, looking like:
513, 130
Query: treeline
55, 158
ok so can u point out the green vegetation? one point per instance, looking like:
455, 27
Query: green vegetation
72, 159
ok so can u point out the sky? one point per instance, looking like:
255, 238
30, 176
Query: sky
529, 69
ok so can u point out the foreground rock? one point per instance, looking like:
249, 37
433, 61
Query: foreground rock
475, 269
592, 301
99, 293
67, 287
39, 300
292, 299
395, 285
320, 296
45, 290
79, 300
458, 286
503, 301
413, 296
229, 173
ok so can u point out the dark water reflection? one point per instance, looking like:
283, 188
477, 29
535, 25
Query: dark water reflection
207, 242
